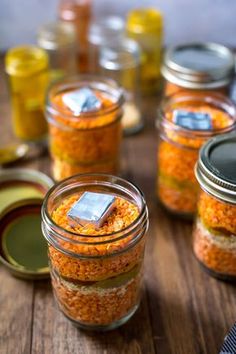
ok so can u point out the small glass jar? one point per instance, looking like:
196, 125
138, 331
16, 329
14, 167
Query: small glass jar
146, 27
121, 62
177, 188
59, 41
102, 32
27, 69
89, 141
214, 234
96, 274
200, 67
79, 13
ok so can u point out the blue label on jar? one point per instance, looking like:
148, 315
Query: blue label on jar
91, 208
192, 120
83, 100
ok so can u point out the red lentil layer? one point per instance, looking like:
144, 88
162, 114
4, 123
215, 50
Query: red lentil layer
97, 307
103, 267
88, 144
215, 235
171, 89
177, 187
217, 253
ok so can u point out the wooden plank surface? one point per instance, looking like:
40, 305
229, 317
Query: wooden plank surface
183, 310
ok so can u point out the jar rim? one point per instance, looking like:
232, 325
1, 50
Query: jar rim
91, 81
181, 70
208, 173
211, 99
25, 60
125, 231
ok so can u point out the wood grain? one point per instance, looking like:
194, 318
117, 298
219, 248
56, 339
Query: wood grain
183, 310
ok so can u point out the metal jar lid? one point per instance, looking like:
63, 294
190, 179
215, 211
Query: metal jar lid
199, 66
23, 249
216, 167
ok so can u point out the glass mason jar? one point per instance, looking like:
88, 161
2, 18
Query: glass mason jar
200, 67
121, 62
102, 32
177, 188
214, 234
87, 141
59, 41
79, 13
27, 69
96, 274
146, 27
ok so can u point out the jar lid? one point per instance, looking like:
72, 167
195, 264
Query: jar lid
215, 170
17, 184
25, 60
199, 65
23, 249
120, 55
55, 35
12, 153
144, 20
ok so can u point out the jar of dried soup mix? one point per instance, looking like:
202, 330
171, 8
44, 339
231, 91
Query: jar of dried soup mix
84, 116
185, 123
215, 229
96, 227
200, 67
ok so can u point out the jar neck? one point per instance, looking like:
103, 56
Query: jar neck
183, 101
62, 239
106, 87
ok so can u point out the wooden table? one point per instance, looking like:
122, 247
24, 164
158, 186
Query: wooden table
183, 310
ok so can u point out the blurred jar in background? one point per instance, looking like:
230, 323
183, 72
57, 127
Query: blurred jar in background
27, 69
58, 39
102, 32
78, 12
146, 27
121, 62
200, 67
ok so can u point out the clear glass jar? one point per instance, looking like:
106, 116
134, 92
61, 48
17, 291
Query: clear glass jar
97, 279
121, 62
214, 234
59, 41
146, 27
27, 69
103, 32
79, 13
88, 141
200, 67
177, 188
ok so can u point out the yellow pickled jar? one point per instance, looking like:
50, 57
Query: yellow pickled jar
27, 68
146, 27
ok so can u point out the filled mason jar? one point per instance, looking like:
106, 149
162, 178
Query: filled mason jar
145, 25
84, 116
186, 122
28, 74
120, 61
96, 262
199, 67
214, 234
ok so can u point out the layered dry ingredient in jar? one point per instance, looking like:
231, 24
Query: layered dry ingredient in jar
199, 67
84, 125
215, 228
186, 122
97, 271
